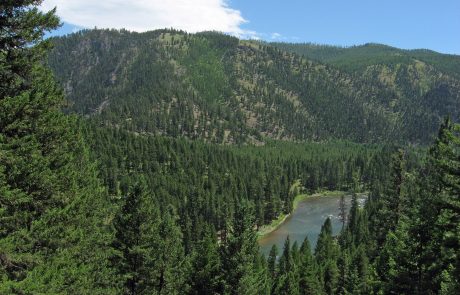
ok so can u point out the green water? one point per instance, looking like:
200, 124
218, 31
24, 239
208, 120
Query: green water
306, 220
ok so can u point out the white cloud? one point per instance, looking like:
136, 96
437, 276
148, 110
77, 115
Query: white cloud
143, 15
251, 35
275, 36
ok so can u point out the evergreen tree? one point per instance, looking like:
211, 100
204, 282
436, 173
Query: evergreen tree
286, 262
21, 45
344, 267
136, 237
240, 256
361, 262
308, 281
330, 277
54, 212
390, 202
206, 274
441, 205
326, 254
272, 261
287, 279
326, 247
168, 257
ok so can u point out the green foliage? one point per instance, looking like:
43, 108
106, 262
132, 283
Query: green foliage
271, 261
206, 182
308, 281
362, 56
411, 240
287, 281
240, 256
53, 211
137, 235
21, 43
206, 273
220, 89
180, 216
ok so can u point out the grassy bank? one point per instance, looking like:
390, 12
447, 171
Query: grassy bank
268, 228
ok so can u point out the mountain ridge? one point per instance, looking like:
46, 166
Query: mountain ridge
225, 90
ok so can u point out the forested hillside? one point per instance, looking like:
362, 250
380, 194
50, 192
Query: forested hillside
358, 58
224, 90
205, 182
118, 182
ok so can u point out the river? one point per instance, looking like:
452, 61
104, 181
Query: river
307, 220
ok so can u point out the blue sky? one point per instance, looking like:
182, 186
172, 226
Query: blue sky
405, 23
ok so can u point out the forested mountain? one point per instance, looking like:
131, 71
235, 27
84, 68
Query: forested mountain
139, 196
358, 58
224, 90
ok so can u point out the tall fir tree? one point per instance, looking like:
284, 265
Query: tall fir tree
442, 205
287, 280
240, 254
206, 277
271, 261
168, 257
326, 254
308, 281
54, 212
137, 236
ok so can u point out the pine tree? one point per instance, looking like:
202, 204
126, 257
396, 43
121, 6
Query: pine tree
344, 267
353, 215
362, 264
271, 261
54, 212
390, 202
168, 257
326, 254
286, 263
136, 237
326, 247
287, 279
308, 281
206, 266
441, 206
240, 253
21, 45
330, 277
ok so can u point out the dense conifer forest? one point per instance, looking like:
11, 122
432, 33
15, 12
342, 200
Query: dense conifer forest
146, 163
224, 90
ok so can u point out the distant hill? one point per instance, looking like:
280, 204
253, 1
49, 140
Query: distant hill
363, 56
221, 89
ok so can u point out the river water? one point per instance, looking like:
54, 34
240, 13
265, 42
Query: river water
307, 220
